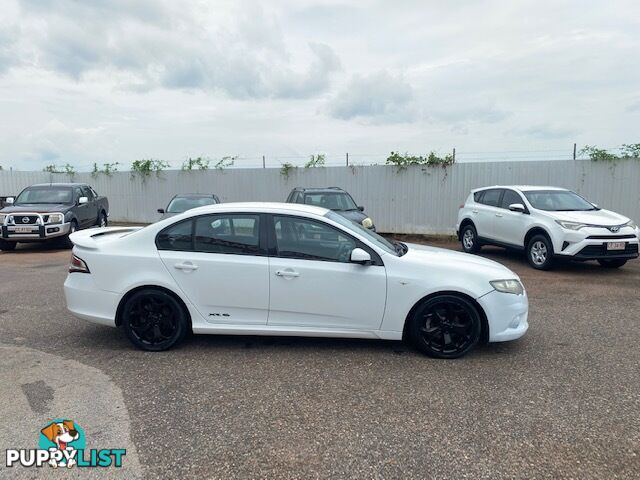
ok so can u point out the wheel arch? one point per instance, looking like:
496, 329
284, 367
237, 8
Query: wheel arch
535, 231
484, 322
464, 223
168, 291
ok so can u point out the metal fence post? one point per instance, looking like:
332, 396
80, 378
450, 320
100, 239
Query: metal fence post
263, 162
347, 159
574, 151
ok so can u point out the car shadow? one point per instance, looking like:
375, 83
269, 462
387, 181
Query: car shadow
48, 246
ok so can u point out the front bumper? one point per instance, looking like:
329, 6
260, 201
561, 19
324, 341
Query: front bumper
591, 244
507, 315
35, 233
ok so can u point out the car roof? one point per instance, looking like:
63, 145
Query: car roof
319, 189
62, 184
261, 207
522, 188
199, 195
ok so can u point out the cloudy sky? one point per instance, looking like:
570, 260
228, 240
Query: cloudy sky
119, 80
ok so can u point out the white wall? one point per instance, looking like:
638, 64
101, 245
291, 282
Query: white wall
416, 200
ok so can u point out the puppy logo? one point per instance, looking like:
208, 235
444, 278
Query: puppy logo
62, 435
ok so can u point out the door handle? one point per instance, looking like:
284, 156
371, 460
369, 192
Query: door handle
286, 273
186, 266
499, 215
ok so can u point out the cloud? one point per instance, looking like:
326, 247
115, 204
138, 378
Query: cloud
376, 98
161, 45
546, 132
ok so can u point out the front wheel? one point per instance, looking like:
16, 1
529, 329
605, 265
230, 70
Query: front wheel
102, 220
7, 246
613, 263
540, 252
445, 326
72, 229
154, 320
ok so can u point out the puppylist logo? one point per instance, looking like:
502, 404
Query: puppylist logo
62, 444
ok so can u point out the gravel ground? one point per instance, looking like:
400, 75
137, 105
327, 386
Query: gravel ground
562, 402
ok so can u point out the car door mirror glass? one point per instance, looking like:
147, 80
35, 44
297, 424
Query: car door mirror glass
83, 200
361, 208
359, 255
517, 207
161, 210
9, 201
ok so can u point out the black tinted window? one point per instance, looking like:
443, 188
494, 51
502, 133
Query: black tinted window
510, 197
176, 237
236, 234
491, 197
307, 239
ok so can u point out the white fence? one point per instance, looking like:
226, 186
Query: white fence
415, 200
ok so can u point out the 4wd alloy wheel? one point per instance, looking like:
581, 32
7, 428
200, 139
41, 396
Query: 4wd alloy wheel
469, 239
445, 326
540, 252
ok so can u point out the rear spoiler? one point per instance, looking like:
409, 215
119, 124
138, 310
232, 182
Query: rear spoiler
87, 238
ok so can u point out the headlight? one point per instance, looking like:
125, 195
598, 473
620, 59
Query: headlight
367, 223
570, 225
2, 217
508, 286
56, 218
630, 223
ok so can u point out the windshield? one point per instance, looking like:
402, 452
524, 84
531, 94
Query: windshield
373, 237
338, 201
45, 195
558, 201
182, 204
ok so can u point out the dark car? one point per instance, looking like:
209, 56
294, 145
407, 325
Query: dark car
186, 201
333, 198
49, 211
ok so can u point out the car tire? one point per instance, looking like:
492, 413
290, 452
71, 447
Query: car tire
7, 246
445, 326
154, 320
72, 228
103, 220
469, 239
540, 252
612, 263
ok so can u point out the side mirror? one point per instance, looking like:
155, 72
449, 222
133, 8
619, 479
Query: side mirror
358, 255
83, 200
9, 200
517, 207
161, 210
361, 208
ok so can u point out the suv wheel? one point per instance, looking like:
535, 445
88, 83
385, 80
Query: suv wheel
614, 263
102, 220
540, 252
469, 239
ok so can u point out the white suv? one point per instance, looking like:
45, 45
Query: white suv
547, 223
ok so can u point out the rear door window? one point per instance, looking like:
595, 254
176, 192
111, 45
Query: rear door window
491, 197
176, 237
237, 234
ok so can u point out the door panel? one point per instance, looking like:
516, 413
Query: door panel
511, 227
224, 288
313, 284
487, 211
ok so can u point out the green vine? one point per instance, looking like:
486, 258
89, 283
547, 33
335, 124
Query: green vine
595, 154
107, 169
402, 161
286, 168
198, 163
315, 161
225, 162
67, 169
144, 168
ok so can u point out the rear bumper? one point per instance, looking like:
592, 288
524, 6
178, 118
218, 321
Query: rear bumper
507, 315
38, 232
86, 301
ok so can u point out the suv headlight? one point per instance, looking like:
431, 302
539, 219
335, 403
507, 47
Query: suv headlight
571, 225
508, 286
630, 223
367, 223
56, 218
2, 217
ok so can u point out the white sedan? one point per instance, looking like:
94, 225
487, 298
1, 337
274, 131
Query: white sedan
288, 269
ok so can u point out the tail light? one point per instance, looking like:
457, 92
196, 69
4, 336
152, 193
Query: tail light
77, 265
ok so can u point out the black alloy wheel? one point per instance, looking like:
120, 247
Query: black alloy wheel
154, 320
445, 326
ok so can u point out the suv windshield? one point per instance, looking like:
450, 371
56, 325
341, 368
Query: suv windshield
338, 201
558, 201
45, 195
373, 237
182, 204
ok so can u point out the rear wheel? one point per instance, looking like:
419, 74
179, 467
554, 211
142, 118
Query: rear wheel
154, 320
540, 252
7, 246
612, 263
445, 326
102, 220
469, 239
